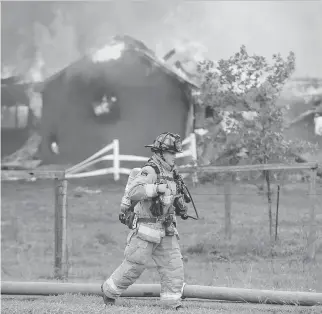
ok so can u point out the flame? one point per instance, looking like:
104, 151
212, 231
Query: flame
108, 52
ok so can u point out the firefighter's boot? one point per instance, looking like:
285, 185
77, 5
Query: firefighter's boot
107, 301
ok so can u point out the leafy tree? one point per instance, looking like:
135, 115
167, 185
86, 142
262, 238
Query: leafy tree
245, 83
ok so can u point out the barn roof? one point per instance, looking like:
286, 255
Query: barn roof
128, 43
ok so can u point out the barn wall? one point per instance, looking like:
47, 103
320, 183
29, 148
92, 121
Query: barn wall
55, 109
149, 103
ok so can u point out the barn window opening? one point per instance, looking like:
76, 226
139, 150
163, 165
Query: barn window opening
104, 102
105, 105
209, 112
14, 103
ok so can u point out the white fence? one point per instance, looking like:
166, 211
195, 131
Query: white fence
77, 170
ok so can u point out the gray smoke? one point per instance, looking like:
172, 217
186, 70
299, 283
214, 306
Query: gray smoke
222, 27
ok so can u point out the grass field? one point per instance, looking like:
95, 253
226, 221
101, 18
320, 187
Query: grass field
93, 305
96, 242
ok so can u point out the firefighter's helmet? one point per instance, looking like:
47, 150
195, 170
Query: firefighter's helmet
167, 142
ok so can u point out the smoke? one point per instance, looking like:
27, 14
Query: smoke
70, 29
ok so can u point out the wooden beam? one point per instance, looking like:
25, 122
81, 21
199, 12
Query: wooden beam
28, 174
60, 259
259, 167
312, 238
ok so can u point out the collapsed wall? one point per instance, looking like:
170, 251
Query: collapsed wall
19, 137
26, 156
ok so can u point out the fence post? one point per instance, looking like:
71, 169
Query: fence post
227, 191
277, 212
311, 244
61, 261
194, 155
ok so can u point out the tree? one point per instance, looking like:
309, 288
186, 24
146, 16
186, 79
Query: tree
245, 84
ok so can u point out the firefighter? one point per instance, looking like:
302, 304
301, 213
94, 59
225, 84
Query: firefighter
155, 234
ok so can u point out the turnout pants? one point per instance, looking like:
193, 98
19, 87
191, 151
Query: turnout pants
168, 259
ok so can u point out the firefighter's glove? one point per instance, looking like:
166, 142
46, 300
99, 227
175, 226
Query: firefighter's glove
166, 198
164, 194
162, 189
124, 208
181, 209
126, 216
129, 219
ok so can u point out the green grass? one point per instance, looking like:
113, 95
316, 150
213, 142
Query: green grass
93, 305
96, 240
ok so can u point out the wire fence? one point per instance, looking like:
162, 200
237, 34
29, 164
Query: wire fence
75, 233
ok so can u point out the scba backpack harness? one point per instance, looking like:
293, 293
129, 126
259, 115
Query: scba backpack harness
129, 217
